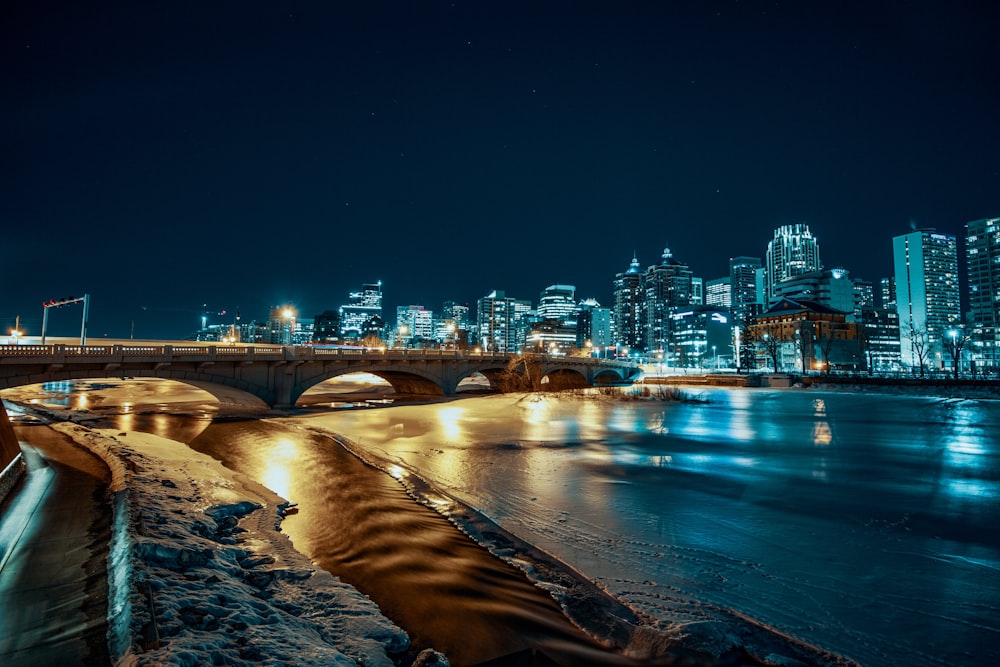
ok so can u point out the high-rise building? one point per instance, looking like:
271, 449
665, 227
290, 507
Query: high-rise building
792, 251
927, 294
413, 323
557, 303
360, 308
667, 285
326, 327
593, 325
719, 292
982, 254
501, 322
281, 325
745, 298
831, 288
697, 291
629, 310
889, 293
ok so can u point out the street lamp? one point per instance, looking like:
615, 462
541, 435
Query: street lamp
716, 355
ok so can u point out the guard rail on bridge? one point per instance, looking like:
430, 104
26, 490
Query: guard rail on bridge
280, 374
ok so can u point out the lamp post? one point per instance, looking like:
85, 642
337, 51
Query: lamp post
716, 355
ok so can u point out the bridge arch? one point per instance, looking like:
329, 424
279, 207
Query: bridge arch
411, 382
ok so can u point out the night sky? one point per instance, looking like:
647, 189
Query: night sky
164, 155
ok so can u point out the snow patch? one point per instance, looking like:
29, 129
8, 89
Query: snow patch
199, 574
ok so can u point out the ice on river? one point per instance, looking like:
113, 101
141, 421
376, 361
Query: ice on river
865, 525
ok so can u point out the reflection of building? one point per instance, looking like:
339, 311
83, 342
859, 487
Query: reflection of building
805, 335
361, 307
982, 243
629, 311
702, 337
501, 322
927, 293
792, 251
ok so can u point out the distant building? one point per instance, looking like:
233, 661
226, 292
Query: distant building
281, 324
927, 295
888, 289
629, 308
551, 337
831, 287
745, 297
361, 307
982, 254
667, 286
558, 303
501, 322
792, 252
719, 292
806, 336
697, 291
326, 327
413, 323
701, 337
878, 334
593, 326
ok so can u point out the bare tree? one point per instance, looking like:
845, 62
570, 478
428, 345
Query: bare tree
919, 343
522, 373
372, 341
769, 339
953, 344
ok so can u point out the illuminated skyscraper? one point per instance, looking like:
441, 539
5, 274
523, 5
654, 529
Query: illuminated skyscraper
982, 253
501, 322
361, 307
557, 302
792, 251
667, 285
629, 310
743, 281
927, 294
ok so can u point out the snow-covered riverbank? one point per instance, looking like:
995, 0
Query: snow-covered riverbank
200, 574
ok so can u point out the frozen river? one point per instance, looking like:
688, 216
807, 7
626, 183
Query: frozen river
868, 525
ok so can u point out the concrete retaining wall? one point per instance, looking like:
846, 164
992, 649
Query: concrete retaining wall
11, 462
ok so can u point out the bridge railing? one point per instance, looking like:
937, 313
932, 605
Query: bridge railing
121, 353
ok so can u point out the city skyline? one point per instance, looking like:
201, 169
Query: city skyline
162, 158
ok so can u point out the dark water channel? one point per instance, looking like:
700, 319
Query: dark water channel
358, 523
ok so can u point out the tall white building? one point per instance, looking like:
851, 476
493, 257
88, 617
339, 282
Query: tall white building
501, 322
793, 251
927, 294
982, 254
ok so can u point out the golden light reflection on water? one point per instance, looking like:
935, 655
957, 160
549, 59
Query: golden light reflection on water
821, 435
277, 476
448, 418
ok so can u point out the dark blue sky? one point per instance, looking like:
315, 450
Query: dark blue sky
240, 154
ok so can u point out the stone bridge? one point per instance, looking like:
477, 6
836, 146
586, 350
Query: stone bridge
279, 375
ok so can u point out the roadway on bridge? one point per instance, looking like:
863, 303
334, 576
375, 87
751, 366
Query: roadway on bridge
54, 535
